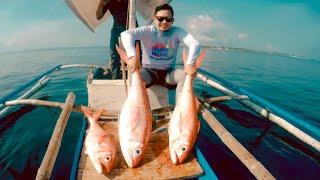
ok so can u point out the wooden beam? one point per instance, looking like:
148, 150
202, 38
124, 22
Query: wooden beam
218, 99
106, 114
44, 171
254, 166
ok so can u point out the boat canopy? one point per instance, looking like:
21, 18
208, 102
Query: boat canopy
85, 10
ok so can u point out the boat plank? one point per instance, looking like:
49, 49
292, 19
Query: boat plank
156, 162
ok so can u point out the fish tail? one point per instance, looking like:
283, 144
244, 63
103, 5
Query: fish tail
199, 58
124, 57
122, 54
97, 114
91, 116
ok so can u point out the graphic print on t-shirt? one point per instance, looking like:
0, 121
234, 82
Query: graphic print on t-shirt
161, 51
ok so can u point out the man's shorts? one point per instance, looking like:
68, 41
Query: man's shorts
157, 77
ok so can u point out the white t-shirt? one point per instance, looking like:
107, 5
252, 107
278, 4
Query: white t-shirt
159, 48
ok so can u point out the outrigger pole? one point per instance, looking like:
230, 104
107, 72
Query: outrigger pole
262, 111
49, 159
37, 82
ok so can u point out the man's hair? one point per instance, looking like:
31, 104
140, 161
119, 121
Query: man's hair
164, 7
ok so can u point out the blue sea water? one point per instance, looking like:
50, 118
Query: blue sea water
288, 82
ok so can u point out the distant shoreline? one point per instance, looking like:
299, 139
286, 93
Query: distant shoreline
257, 51
219, 48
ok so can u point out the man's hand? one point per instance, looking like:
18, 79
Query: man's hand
191, 70
101, 10
133, 64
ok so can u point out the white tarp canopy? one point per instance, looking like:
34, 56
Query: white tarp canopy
85, 10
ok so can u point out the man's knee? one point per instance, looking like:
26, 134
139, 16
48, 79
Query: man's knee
146, 76
180, 75
176, 76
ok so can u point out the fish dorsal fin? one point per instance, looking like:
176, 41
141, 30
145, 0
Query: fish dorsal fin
177, 120
175, 125
199, 58
136, 122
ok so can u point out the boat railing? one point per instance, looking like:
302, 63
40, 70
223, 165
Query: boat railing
26, 85
251, 101
38, 82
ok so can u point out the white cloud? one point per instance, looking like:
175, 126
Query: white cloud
242, 36
48, 34
208, 30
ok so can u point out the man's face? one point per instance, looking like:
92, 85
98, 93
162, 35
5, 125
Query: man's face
163, 20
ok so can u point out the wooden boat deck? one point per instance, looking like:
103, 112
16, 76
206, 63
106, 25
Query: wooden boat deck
110, 95
155, 165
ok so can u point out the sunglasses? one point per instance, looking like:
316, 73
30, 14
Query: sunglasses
161, 19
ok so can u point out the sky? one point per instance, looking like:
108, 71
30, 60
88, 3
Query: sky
286, 26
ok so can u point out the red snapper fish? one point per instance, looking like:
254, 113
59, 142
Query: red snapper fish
184, 124
135, 122
100, 146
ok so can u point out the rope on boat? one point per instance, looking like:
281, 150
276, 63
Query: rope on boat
41, 83
265, 113
254, 166
44, 171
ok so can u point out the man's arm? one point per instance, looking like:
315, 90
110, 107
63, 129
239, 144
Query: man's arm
194, 49
128, 39
102, 8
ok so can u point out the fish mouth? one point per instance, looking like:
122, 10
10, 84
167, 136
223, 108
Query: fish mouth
135, 162
174, 157
132, 162
107, 169
128, 158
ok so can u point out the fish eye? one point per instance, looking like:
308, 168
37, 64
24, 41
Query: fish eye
138, 152
108, 158
183, 149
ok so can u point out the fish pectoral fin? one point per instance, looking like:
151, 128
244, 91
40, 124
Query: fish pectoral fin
180, 125
97, 164
135, 120
176, 121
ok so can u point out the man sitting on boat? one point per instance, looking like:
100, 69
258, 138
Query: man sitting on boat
160, 43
